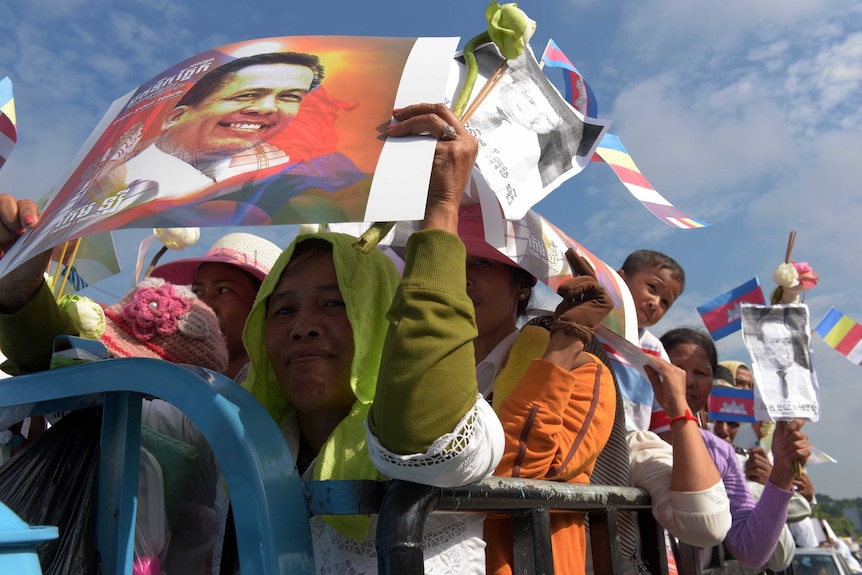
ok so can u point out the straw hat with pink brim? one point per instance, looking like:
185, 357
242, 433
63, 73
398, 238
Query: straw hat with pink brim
471, 230
248, 252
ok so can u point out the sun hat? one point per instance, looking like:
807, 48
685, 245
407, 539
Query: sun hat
164, 321
471, 230
248, 252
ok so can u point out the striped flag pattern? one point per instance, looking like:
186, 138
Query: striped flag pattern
842, 334
8, 123
578, 92
75, 278
819, 456
612, 152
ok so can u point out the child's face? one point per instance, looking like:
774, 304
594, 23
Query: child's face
654, 291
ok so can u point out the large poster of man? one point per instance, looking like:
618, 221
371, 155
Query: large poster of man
270, 131
778, 339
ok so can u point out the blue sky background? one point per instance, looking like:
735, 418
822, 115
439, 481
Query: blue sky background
743, 114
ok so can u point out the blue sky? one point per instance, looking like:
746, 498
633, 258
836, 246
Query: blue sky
745, 115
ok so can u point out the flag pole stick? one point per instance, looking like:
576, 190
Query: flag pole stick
68, 267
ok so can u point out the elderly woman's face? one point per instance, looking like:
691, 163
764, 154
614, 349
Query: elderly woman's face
698, 373
309, 338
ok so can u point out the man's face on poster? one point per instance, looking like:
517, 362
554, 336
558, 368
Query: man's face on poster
778, 344
527, 106
255, 104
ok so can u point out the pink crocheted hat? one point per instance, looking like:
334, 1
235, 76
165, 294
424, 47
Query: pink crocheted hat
248, 252
164, 321
471, 230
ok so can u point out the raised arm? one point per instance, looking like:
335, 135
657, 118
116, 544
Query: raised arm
427, 406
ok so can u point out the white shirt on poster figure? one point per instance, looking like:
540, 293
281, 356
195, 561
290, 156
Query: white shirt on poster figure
778, 340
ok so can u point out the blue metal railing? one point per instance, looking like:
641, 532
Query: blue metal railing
272, 505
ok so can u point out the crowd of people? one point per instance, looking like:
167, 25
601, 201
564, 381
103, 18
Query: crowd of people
436, 376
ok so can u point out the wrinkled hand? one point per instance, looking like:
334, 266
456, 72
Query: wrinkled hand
757, 466
668, 384
18, 286
453, 160
789, 444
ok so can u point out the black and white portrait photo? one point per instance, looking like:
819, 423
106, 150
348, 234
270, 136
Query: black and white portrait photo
778, 339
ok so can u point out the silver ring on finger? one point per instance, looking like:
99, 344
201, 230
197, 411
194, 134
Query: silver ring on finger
449, 133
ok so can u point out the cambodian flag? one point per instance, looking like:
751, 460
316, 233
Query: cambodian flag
8, 126
578, 92
731, 404
842, 334
722, 316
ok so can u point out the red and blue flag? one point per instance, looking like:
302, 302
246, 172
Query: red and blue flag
578, 92
722, 315
731, 404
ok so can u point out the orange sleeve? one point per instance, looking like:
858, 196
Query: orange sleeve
557, 421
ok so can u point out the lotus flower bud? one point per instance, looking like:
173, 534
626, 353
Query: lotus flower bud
177, 238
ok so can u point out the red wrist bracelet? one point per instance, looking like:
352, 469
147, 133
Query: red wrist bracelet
687, 416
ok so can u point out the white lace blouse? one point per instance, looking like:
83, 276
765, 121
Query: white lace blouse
453, 542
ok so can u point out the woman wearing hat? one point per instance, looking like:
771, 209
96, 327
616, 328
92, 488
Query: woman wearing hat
226, 278
556, 411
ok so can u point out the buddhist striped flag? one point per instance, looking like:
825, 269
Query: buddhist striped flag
722, 316
612, 152
843, 334
578, 92
8, 126
819, 456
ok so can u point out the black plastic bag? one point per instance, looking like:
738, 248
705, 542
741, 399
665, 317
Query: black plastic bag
53, 481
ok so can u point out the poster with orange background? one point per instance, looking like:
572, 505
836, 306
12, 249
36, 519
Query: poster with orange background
296, 141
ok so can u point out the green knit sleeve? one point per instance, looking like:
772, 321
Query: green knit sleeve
427, 379
27, 336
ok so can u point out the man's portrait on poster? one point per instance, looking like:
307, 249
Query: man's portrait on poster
779, 342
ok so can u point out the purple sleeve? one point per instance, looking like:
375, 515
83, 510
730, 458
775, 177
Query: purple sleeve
757, 526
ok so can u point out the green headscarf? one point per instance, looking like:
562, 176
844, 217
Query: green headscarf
367, 283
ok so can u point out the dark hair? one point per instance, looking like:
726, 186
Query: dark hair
680, 335
217, 78
724, 374
524, 279
641, 259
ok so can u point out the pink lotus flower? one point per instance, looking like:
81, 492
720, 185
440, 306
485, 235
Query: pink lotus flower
807, 276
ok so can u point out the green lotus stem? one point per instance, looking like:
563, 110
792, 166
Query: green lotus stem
372, 236
378, 230
463, 99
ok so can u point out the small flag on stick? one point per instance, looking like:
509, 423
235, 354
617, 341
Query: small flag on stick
842, 334
731, 404
8, 123
578, 92
721, 315
819, 456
